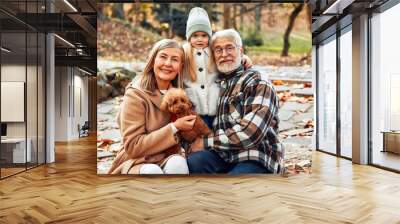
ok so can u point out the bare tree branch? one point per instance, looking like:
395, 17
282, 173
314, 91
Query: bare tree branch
286, 45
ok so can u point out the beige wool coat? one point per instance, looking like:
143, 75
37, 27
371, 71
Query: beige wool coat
144, 130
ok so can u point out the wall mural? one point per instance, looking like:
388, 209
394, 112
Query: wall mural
204, 88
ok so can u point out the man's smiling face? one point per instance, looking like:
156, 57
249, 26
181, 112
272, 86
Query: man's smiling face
227, 55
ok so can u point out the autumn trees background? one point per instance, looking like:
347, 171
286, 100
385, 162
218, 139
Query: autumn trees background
277, 34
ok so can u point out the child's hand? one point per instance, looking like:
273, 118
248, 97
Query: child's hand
246, 61
185, 123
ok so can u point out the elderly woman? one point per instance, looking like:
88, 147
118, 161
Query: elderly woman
147, 132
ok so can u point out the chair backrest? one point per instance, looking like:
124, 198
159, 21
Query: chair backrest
86, 125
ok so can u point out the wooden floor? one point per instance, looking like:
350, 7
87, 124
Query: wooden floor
69, 191
10, 171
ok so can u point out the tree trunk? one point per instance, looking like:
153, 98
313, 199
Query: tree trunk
309, 15
242, 7
234, 18
309, 20
227, 16
171, 32
286, 45
100, 9
258, 17
135, 13
271, 15
118, 11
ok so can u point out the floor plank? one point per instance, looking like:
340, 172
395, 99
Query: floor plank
70, 191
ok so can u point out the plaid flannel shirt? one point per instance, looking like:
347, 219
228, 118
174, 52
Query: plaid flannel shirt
246, 125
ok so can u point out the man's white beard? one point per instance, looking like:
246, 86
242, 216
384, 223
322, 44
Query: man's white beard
227, 68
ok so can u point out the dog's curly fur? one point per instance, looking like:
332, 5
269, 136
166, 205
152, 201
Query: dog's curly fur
177, 103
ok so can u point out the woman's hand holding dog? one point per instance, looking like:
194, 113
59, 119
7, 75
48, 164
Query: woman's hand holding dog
185, 123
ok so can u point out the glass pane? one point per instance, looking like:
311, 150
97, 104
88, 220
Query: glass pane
13, 85
31, 97
346, 93
327, 97
386, 89
41, 99
22, 67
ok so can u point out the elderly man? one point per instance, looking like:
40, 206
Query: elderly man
245, 135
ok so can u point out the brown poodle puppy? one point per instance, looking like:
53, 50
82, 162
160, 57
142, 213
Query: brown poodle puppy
177, 103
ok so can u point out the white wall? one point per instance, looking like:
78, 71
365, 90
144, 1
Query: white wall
80, 100
70, 83
61, 103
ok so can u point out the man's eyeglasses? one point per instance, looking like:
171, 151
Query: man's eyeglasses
229, 49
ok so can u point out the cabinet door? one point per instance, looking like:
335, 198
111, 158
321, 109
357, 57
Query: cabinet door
393, 142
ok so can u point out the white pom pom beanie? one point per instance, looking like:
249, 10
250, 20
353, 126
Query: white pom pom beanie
198, 21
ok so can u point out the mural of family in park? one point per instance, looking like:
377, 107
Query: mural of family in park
204, 88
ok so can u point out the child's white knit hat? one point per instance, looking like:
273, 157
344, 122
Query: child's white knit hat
198, 21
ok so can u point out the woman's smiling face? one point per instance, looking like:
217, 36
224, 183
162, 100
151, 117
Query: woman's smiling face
168, 63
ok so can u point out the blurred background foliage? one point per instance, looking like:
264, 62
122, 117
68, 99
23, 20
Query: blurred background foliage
273, 34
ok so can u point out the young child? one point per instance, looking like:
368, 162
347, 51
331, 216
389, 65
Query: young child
200, 69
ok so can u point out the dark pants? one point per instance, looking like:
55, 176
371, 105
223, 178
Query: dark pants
210, 162
208, 120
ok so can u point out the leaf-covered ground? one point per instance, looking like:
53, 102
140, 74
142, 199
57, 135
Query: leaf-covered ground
120, 41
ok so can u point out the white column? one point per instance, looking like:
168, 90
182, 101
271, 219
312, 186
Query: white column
50, 109
360, 90
71, 106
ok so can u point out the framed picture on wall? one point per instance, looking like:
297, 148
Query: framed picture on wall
12, 101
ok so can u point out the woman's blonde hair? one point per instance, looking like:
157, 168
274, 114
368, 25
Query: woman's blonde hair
148, 80
190, 65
